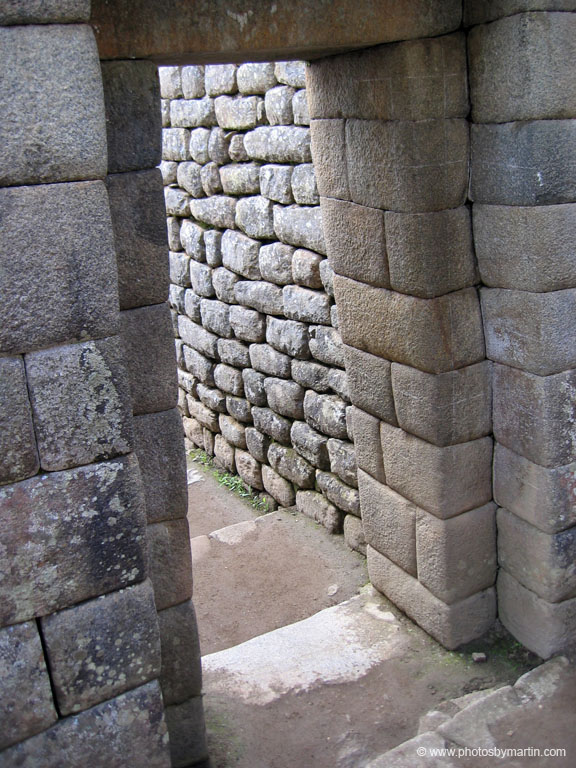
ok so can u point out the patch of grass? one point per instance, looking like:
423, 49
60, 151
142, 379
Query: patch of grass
233, 483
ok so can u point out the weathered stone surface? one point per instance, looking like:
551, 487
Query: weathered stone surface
213, 247
443, 481
208, 441
177, 297
306, 268
176, 201
291, 73
181, 675
168, 169
304, 185
457, 557
278, 103
276, 263
218, 146
198, 365
375, 398
255, 77
306, 305
275, 183
531, 331
224, 454
175, 144
179, 269
523, 163
543, 563
254, 217
67, 521
27, 705
102, 647
249, 469
236, 149
116, 732
204, 416
354, 534
434, 335
48, 233
240, 179
257, 443
91, 376
288, 336
367, 444
311, 375
147, 339
285, 397
192, 304
220, 78
452, 625
69, 143
199, 339
260, 295
192, 81
310, 444
423, 165
315, 506
201, 279
43, 11
170, 562
534, 51
187, 732
133, 121
213, 399
229, 379
248, 324
279, 488
234, 353
217, 211
193, 431
480, 11
329, 152
233, 431
343, 461
543, 497
18, 452
545, 628
274, 426
266, 359
159, 446
239, 408
192, 113
340, 494
210, 178
526, 248
338, 381
254, 387
238, 114
170, 82
445, 408
535, 415
326, 345
279, 144
300, 225
290, 465
224, 283
189, 177
326, 413
198, 145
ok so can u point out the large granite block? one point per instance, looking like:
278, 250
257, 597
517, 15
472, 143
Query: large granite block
18, 452
170, 562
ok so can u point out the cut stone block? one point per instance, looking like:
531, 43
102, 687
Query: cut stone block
275, 426
257, 443
310, 444
260, 295
102, 647
338, 381
531, 331
445, 408
44, 11
288, 336
233, 431
434, 335
175, 144
422, 166
220, 78
311, 375
452, 625
326, 346
224, 454
291, 72
255, 77
306, 305
543, 563
234, 353
147, 338
248, 324
170, 562
343, 461
241, 179
238, 114
303, 184
249, 469
306, 269
192, 81
239, 408
224, 283
526, 248
198, 145
276, 263
201, 341
187, 733
326, 414
278, 102
356, 242
279, 144
49, 233
480, 11
27, 707
329, 153
217, 211
535, 416
275, 183
205, 416
81, 403
300, 225
189, 177
315, 506
192, 240
300, 108
210, 178
267, 360
443, 481
279, 488
285, 397
170, 82
63, 523
18, 452
181, 675
354, 534
191, 113
254, 387
345, 498
229, 379
367, 444
67, 143
213, 247
216, 317
254, 216
370, 383
179, 270
287, 463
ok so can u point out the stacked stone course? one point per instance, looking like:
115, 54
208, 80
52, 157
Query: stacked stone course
261, 360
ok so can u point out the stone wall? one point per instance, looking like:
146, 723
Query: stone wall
261, 363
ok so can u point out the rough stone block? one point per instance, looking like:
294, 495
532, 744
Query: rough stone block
260, 295
279, 144
201, 279
345, 498
543, 497
191, 304
62, 523
545, 628
311, 375
198, 365
285, 397
240, 179
266, 359
224, 283
177, 298
423, 166
248, 324
257, 444
198, 145
370, 383
224, 454
217, 211
273, 425
48, 233
300, 108
326, 413
239, 408
445, 408
254, 216
367, 444
276, 263
204, 416
90, 376
443, 481
338, 381
210, 178
543, 563
169, 170
275, 183
194, 432
531, 331
306, 305
343, 461
524, 163
213, 399
256, 77
27, 707
315, 506
278, 103
326, 345
310, 444
249, 469
520, 68
181, 675
279, 488
170, 562
189, 177
119, 643
535, 416
218, 146
452, 625
291, 73
287, 463
192, 82
133, 120
236, 149
192, 113
329, 153
220, 78
234, 353
232, 431
187, 733
176, 201
213, 247
254, 387
354, 534
175, 144
18, 452
149, 357
216, 317
434, 335
68, 143
288, 336
238, 114
200, 340
229, 379
303, 184
306, 269
170, 82
208, 441
301, 226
